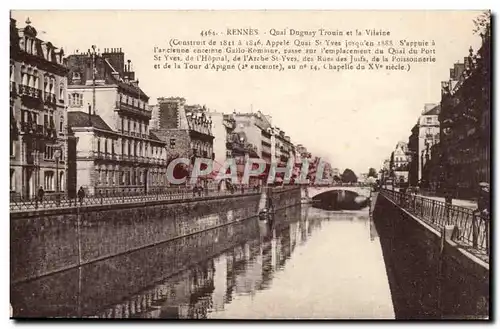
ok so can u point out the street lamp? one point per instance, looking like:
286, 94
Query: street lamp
57, 155
93, 53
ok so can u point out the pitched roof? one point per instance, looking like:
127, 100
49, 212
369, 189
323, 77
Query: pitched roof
153, 136
81, 119
433, 111
128, 87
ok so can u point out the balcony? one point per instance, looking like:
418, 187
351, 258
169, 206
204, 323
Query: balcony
30, 92
13, 88
134, 110
266, 141
38, 131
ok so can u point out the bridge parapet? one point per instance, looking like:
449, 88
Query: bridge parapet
312, 191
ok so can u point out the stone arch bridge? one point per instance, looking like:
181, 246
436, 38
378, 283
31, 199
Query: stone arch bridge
310, 192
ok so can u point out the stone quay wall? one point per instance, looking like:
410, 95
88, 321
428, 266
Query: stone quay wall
429, 275
51, 240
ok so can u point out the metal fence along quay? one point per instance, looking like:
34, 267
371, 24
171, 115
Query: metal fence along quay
177, 194
473, 228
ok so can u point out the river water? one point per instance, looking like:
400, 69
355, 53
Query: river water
311, 263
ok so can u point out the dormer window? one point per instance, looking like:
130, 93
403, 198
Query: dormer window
76, 76
75, 100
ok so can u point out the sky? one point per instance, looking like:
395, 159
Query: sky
354, 119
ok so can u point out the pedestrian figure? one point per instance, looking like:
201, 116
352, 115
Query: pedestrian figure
195, 189
81, 194
41, 193
200, 190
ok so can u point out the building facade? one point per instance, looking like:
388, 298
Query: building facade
283, 149
465, 123
187, 129
113, 150
399, 163
424, 135
38, 98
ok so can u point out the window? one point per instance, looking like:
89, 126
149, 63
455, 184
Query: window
172, 143
48, 181
75, 99
12, 180
61, 180
428, 120
24, 78
12, 148
49, 153
98, 145
76, 75
61, 121
61, 91
105, 146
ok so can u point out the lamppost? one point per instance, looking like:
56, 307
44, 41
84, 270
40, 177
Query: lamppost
92, 55
57, 155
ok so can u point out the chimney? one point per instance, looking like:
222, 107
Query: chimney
90, 115
115, 58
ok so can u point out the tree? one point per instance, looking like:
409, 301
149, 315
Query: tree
348, 176
482, 24
372, 173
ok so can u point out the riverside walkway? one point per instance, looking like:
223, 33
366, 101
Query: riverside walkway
472, 230
180, 195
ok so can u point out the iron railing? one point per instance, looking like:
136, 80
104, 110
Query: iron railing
62, 201
473, 227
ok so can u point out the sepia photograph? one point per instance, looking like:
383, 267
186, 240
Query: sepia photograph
250, 164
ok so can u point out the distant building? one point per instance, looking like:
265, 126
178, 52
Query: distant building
258, 130
424, 135
113, 150
38, 99
284, 149
187, 130
399, 163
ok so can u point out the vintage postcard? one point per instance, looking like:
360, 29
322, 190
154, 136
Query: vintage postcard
250, 164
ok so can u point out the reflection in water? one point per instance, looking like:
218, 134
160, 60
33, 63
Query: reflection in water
340, 200
309, 264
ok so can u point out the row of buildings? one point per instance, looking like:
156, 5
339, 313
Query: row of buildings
449, 146
83, 120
